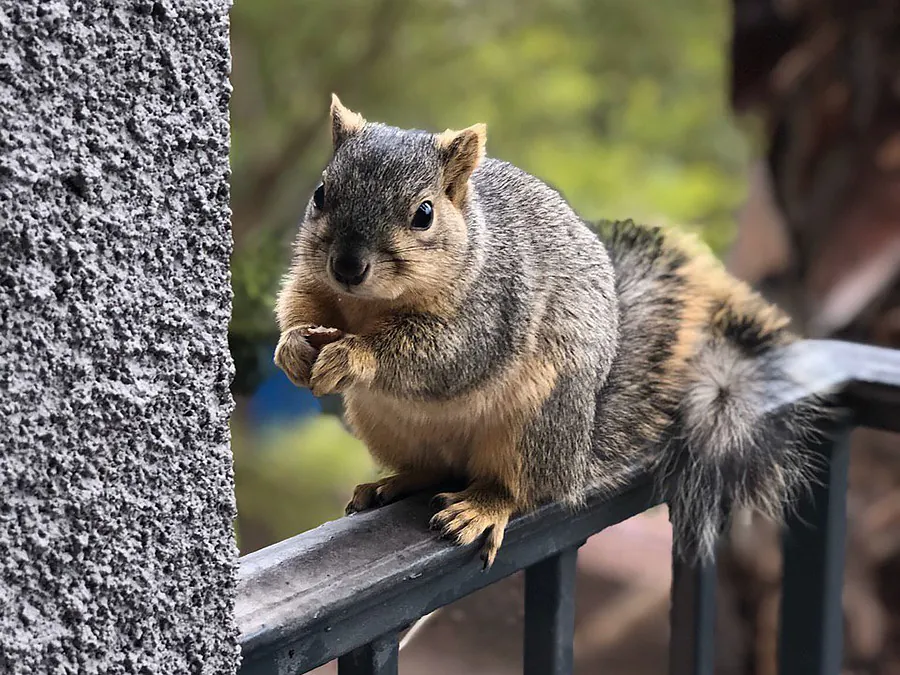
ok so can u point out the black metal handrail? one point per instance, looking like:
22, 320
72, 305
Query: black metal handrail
347, 588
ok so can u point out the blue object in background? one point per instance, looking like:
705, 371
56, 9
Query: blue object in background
278, 400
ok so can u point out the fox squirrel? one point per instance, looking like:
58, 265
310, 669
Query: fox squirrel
479, 329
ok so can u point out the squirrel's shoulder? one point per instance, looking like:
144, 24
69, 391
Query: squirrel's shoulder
506, 193
498, 177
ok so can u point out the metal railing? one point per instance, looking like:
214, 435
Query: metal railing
346, 589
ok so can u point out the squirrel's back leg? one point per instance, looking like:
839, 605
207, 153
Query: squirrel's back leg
533, 454
557, 444
537, 445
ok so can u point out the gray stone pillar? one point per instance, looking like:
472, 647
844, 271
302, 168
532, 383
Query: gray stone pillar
116, 503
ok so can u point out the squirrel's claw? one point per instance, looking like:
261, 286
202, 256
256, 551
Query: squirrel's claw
491, 546
472, 514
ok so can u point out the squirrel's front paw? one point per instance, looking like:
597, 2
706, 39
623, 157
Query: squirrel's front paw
340, 365
390, 489
295, 356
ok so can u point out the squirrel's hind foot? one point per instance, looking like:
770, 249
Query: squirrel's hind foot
475, 512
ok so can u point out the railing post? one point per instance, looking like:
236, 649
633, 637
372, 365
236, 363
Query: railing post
692, 619
811, 631
550, 615
379, 657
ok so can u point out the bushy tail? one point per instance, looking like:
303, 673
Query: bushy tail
700, 360
731, 450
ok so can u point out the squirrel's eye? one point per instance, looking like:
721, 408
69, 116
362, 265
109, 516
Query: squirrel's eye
423, 216
319, 196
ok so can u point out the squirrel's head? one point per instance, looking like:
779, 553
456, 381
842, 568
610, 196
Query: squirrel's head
388, 219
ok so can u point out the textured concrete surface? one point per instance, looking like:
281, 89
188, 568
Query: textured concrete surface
116, 500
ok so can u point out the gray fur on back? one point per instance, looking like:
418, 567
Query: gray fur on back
546, 300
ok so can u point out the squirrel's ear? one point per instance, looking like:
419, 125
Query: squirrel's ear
344, 122
461, 152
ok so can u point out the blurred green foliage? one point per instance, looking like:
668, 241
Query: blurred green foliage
620, 104
290, 479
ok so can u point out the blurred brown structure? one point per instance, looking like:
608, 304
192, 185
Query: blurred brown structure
820, 234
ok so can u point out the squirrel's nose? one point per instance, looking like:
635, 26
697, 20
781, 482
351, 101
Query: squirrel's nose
349, 269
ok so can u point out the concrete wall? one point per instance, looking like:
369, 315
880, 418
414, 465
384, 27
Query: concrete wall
116, 500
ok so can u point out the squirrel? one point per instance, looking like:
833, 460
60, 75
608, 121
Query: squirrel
479, 329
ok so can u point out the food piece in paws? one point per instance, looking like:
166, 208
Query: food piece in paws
319, 336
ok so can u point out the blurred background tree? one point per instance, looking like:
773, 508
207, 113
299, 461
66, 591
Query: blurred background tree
621, 105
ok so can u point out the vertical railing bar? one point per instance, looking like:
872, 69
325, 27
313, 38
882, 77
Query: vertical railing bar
550, 615
811, 627
692, 619
379, 657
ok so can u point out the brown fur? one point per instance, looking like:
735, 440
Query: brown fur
474, 435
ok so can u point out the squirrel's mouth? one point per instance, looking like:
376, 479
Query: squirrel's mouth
373, 287
366, 288
356, 290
